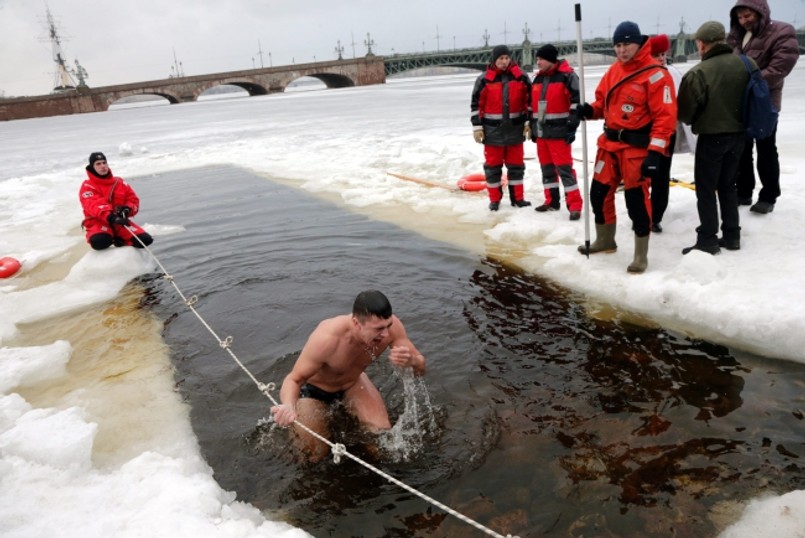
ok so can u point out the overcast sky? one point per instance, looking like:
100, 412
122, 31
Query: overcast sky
120, 41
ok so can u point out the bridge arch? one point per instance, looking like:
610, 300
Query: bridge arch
253, 88
117, 96
333, 80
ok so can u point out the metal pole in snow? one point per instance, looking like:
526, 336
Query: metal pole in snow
580, 53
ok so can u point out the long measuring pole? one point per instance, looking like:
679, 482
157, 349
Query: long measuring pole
580, 54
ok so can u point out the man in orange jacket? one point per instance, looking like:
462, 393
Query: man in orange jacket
637, 101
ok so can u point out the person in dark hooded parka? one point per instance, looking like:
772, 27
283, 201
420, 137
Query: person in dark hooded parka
773, 45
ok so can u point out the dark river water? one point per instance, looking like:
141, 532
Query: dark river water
533, 419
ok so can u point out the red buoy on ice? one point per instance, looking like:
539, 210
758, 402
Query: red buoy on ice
9, 266
472, 182
475, 177
476, 182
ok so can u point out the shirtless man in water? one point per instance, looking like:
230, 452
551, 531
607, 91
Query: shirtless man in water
331, 368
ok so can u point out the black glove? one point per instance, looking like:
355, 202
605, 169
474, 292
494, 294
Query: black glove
585, 111
123, 210
651, 164
118, 218
570, 137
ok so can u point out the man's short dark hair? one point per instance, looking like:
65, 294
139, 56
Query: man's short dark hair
371, 303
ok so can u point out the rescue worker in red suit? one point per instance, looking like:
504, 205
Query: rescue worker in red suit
637, 101
108, 202
554, 100
500, 112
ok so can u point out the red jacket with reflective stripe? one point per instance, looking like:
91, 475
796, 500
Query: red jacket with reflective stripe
100, 195
646, 97
500, 103
561, 86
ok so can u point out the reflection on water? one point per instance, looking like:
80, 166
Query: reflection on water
536, 419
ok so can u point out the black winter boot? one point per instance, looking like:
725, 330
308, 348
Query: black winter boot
514, 200
516, 193
730, 243
494, 178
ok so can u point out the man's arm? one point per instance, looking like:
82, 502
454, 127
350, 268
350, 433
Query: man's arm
691, 94
403, 352
784, 56
477, 101
132, 201
310, 361
663, 106
572, 85
93, 202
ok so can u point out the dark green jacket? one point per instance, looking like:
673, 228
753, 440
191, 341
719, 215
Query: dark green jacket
711, 93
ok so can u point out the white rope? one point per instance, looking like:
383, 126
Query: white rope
337, 449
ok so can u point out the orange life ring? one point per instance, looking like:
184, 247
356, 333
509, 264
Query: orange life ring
472, 185
474, 177
477, 182
8, 266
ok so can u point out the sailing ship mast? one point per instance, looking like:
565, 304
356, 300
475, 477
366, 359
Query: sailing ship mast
64, 80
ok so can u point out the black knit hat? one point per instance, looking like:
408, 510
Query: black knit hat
500, 50
627, 32
96, 156
548, 52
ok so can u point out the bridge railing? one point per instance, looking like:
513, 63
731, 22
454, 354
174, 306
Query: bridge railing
524, 54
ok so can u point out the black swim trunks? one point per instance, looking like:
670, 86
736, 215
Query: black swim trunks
312, 391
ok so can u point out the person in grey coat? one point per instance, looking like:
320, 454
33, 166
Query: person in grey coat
773, 45
709, 99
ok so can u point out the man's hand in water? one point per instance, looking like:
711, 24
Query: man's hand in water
403, 356
284, 415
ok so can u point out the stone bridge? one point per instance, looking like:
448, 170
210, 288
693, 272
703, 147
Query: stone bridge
334, 74
370, 69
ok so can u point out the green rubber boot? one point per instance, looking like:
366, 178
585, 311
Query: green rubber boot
640, 261
604, 240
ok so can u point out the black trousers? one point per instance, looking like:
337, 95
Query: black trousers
768, 169
717, 158
661, 184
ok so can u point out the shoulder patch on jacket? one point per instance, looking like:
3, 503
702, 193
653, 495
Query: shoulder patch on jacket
656, 77
666, 95
87, 194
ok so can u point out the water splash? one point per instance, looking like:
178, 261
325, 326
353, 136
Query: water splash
408, 435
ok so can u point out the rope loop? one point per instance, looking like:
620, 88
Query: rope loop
167, 277
338, 451
226, 343
193, 299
